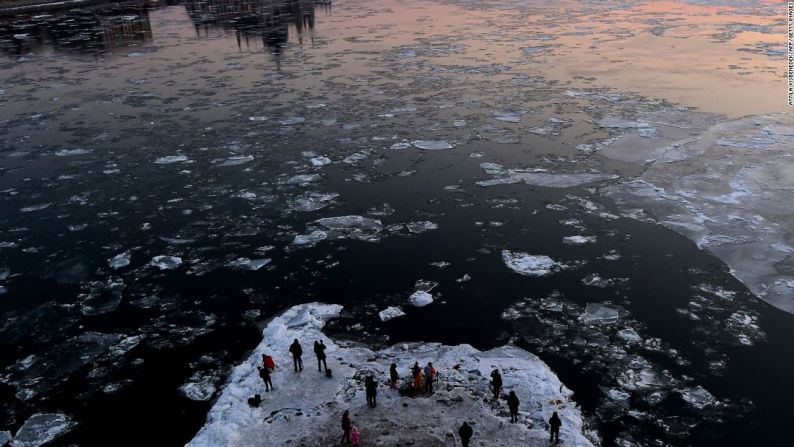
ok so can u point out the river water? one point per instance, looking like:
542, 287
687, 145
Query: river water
165, 173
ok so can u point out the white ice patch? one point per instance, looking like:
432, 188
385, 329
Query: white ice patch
320, 161
578, 240
248, 264
30, 209
301, 179
289, 121
305, 407
165, 262
390, 313
597, 313
237, 160
120, 260
311, 238
169, 159
432, 145
420, 299
508, 117
698, 397
312, 201
530, 265
540, 178
421, 226
71, 152
42, 428
198, 390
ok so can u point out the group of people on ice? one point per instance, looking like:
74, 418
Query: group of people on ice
422, 379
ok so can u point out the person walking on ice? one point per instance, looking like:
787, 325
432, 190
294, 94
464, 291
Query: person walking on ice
554, 427
319, 351
512, 403
297, 352
394, 376
346, 426
430, 374
264, 373
496, 381
465, 432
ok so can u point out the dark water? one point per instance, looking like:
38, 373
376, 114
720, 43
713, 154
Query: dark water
93, 101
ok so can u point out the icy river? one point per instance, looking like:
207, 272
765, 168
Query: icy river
608, 185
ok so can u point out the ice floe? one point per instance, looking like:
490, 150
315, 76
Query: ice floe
390, 313
164, 262
530, 265
248, 264
420, 299
120, 260
41, 428
304, 408
432, 145
170, 159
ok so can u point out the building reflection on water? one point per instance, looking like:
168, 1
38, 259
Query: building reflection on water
251, 20
91, 30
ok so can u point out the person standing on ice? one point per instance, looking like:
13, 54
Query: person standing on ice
430, 374
264, 373
465, 432
355, 435
297, 352
449, 440
512, 403
496, 381
267, 362
346, 425
393, 376
554, 426
372, 391
417, 370
319, 351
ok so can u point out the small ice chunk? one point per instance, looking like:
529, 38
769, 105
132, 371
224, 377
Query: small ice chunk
530, 265
5, 272
390, 313
303, 178
509, 117
237, 160
258, 118
425, 285
597, 313
311, 238
320, 161
169, 159
71, 152
432, 145
421, 226
629, 335
120, 260
292, 120
400, 146
166, 262
698, 397
420, 299
312, 201
350, 222
248, 264
32, 208
463, 278
42, 428
199, 391
439, 264
578, 240
620, 123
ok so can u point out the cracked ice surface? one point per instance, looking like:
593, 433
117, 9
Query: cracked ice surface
734, 200
305, 407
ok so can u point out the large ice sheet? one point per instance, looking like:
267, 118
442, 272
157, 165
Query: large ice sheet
729, 189
304, 408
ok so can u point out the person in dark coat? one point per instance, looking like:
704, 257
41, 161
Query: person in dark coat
465, 432
496, 381
346, 425
430, 374
264, 373
394, 376
297, 352
554, 426
512, 403
319, 351
372, 391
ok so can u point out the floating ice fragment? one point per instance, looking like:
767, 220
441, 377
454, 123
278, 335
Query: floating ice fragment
424, 285
237, 160
390, 313
248, 264
292, 120
303, 178
400, 146
32, 208
311, 238
530, 265
463, 278
629, 335
5, 272
201, 390
165, 262
71, 152
320, 161
510, 117
312, 201
578, 240
350, 222
698, 397
258, 118
431, 145
120, 260
169, 159
597, 313
3, 290
421, 226
439, 264
620, 123
42, 428
420, 299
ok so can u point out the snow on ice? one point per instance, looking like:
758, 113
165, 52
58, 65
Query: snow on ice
304, 408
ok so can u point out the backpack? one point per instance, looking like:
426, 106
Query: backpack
269, 363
